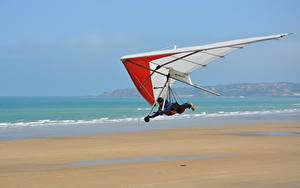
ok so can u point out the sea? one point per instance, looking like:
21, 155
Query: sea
36, 117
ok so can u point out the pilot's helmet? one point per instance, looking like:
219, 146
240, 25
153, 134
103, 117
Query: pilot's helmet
160, 100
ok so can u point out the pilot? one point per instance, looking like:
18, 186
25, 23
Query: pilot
169, 108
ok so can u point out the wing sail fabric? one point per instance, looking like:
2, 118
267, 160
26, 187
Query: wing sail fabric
139, 71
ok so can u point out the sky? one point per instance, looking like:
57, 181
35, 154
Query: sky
73, 48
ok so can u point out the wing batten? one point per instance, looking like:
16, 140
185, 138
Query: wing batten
193, 62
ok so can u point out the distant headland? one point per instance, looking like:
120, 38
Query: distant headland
274, 89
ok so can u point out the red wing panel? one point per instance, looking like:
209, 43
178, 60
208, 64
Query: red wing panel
139, 71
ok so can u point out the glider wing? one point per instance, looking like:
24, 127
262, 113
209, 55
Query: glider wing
149, 71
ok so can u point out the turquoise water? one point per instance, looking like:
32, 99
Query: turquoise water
66, 108
35, 111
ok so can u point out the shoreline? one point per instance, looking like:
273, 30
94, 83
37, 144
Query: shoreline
237, 155
183, 121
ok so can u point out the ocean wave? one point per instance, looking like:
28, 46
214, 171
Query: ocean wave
47, 122
143, 109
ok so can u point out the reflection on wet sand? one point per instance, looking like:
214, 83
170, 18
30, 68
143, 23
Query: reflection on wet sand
153, 159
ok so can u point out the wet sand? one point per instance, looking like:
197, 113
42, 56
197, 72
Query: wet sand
231, 156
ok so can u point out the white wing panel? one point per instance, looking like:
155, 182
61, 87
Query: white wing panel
158, 81
181, 65
187, 63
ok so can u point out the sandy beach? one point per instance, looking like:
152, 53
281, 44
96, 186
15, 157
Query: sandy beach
256, 155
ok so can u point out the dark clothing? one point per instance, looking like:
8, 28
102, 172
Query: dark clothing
171, 109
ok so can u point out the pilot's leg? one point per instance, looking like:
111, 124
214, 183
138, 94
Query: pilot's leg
185, 106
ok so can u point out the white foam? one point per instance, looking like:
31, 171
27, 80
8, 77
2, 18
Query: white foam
47, 122
143, 109
229, 114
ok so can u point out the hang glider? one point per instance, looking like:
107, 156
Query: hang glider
154, 72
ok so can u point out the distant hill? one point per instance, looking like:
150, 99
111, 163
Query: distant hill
230, 90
